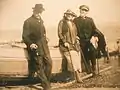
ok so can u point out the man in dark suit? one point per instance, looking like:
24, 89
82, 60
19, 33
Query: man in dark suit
34, 36
86, 30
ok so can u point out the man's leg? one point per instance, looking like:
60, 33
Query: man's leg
87, 60
64, 65
48, 66
41, 74
85, 55
70, 70
31, 68
64, 61
76, 63
93, 61
31, 64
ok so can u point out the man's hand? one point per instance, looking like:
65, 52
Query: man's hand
94, 41
33, 46
66, 44
47, 39
77, 38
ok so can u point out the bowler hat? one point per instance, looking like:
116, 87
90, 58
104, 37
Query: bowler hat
70, 13
38, 7
84, 7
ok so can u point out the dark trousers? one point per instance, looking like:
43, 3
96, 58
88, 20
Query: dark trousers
42, 66
89, 53
64, 65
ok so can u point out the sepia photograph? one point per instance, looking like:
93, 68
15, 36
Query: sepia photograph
59, 45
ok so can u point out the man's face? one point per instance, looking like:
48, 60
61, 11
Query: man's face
83, 12
38, 11
69, 17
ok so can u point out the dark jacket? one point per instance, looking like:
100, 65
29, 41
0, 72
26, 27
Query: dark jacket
86, 27
34, 32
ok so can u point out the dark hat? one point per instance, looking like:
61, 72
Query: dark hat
84, 7
38, 7
70, 13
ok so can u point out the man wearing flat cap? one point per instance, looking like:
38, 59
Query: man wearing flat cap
69, 46
88, 33
34, 36
84, 7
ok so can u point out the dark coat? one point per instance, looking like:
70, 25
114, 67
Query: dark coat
65, 36
34, 32
86, 29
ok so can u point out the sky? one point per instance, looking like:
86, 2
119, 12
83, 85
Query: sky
14, 12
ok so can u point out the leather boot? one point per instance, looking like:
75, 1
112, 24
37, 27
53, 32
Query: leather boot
78, 78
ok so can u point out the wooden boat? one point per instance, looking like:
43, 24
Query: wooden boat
13, 60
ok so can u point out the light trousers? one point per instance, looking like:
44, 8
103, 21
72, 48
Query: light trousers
73, 60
